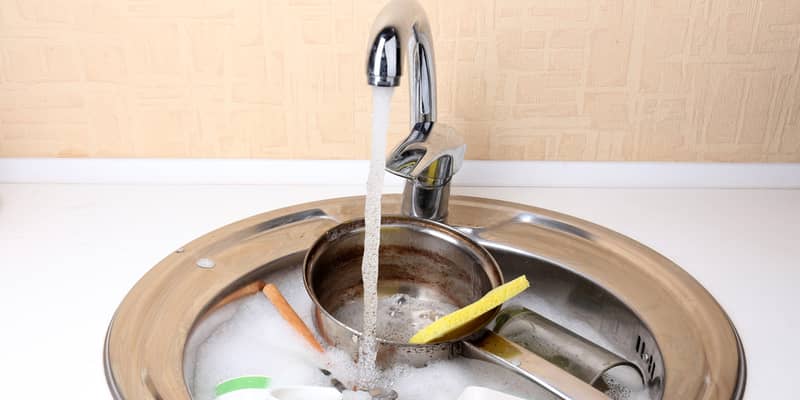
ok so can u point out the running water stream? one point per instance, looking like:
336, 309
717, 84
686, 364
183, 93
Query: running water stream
381, 103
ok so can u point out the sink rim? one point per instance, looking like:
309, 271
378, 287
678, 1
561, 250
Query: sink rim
176, 281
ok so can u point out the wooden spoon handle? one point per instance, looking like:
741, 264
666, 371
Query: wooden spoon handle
287, 312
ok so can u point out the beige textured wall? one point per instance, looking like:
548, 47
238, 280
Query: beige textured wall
706, 80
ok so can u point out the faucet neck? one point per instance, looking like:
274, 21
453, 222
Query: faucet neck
422, 81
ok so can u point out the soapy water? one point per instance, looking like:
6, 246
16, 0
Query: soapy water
381, 104
400, 316
350, 395
625, 384
249, 337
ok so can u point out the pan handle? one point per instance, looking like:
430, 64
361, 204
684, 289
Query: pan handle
500, 351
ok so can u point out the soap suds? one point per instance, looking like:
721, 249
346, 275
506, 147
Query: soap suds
250, 337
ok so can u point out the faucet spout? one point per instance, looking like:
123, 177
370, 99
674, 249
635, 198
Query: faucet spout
402, 26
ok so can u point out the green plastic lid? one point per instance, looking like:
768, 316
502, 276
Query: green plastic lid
243, 382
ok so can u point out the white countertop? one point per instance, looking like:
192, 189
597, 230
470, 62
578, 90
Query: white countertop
70, 253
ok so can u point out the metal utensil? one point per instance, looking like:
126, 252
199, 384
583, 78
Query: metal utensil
573, 353
433, 262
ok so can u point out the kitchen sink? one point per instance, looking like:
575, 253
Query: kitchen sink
595, 282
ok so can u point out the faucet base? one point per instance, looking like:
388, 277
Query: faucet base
425, 201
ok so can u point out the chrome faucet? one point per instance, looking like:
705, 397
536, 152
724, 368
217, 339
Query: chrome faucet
432, 153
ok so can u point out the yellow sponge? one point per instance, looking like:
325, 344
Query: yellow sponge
457, 319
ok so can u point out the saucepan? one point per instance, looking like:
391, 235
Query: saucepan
426, 269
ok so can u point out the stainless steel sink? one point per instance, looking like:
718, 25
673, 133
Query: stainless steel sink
597, 283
